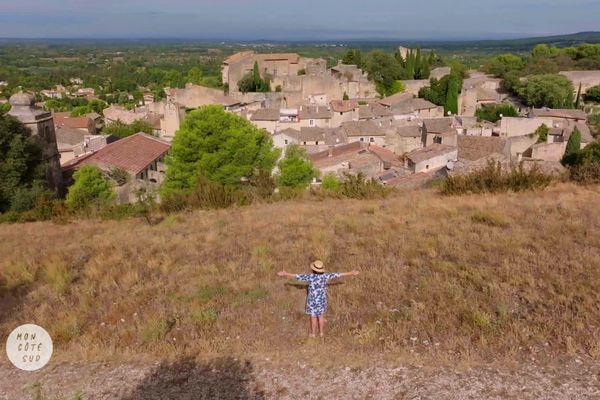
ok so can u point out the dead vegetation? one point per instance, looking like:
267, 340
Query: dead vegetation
483, 277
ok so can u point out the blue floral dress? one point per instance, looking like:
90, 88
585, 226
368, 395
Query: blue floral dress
316, 301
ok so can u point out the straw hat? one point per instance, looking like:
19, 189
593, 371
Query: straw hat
317, 266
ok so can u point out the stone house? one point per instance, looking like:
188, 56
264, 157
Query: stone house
477, 91
431, 158
344, 111
364, 132
413, 86
73, 143
315, 116
141, 156
404, 139
441, 131
406, 106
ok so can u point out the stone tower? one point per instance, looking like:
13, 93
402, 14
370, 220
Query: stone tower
41, 125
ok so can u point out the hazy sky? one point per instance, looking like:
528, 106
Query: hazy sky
300, 19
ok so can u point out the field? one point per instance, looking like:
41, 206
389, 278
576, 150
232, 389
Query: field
505, 280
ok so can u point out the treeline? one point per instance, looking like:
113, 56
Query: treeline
111, 73
534, 77
387, 69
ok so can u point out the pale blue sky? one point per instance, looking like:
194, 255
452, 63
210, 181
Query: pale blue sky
299, 19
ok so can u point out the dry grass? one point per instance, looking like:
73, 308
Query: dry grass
482, 277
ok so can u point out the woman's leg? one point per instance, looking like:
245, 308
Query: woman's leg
314, 326
321, 319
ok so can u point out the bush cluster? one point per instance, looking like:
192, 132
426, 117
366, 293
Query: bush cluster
495, 179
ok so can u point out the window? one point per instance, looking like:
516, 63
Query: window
304, 143
311, 122
317, 143
286, 141
372, 140
362, 139
427, 166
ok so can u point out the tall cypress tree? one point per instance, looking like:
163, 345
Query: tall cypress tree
451, 104
573, 148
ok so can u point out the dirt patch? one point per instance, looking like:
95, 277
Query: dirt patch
230, 378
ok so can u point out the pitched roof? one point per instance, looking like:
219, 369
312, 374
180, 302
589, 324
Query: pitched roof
373, 110
362, 128
344, 105
558, 113
411, 105
64, 119
408, 131
475, 148
439, 125
69, 136
429, 152
133, 153
396, 98
265, 114
237, 56
315, 112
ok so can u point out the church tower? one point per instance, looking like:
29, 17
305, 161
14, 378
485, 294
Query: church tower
41, 126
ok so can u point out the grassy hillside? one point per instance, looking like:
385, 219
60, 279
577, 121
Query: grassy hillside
505, 277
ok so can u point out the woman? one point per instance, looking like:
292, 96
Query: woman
316, 301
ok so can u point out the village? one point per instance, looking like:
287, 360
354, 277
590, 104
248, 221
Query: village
335, 114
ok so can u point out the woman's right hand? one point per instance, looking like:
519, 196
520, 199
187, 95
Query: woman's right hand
282, 273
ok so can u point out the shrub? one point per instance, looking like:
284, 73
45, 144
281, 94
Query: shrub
331, 182
359, 187
494, 179
90, 189
492, 112
295, 170
588, 173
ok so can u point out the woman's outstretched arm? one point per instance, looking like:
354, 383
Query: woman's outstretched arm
351, 273
285, 274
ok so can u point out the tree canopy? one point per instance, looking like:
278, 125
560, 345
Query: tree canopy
22, 171
593, 94
548, 90
253, 82
220, 146
492, 112
122, 130
90, 189
295, 170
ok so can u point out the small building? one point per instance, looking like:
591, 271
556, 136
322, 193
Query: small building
440, 130
83, 123
315, 116
431, 158
404, 139
364, 132
556, 113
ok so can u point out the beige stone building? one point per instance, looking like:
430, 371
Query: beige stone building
41, 126
431, 158
586, 79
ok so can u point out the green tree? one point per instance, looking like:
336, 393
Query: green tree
573, 148
122, 130
492, 112
593, 94
554, 91
542, 133
195, 76
94, 106
220, 146
331, 182
90, 189
451, 105
353, 57
502, 64
22, 171
252, 82
384, 70
295, 170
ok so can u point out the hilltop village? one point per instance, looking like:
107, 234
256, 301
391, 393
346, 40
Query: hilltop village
336, 114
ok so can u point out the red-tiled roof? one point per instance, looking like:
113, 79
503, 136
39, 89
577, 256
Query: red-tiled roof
64, 120
133, 153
